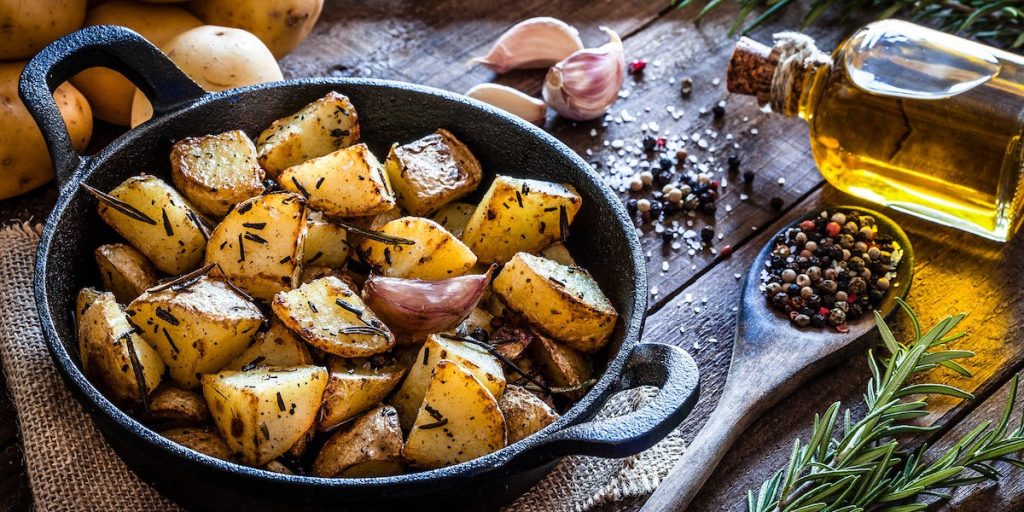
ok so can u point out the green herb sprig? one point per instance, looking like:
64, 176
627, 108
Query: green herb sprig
854, 466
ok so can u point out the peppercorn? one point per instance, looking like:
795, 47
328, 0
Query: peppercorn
776, 203
707, 233
649, 143
780, 300
665, 163
733, 162
837, 317
681, 155
818, 320
802, 320
686, 87
631, 206
480, 334
748, 177
637, 67
667, 236
656, 207
726, 251
718, 111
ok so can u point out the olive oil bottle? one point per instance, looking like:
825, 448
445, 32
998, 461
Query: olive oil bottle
905, 116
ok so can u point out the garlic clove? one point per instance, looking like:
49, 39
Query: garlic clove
533, 43
510, 100
585, 84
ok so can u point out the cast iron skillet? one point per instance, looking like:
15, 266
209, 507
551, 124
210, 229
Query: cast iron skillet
602, 237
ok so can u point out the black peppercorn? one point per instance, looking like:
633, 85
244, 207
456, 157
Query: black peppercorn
656, 207
748, 177
480, 334
667, 236
665, 163
733, 162
776, 203
718, 111
650, 143
708, 208
631, 206
707, 233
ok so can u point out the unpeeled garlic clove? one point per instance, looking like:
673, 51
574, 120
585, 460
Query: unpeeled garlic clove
510, 100
533, 43
584, 85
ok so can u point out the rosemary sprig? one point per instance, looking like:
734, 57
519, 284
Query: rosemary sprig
861, 466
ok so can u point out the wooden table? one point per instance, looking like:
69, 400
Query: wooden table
429, 43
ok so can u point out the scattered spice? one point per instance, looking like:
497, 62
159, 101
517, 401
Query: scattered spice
637, 66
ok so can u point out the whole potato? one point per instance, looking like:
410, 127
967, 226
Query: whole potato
282, 24
24, 161
217, 58
26, 26
109, 93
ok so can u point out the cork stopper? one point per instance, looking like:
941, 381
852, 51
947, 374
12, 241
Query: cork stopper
751, 68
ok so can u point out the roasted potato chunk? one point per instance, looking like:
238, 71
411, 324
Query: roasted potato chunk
524, 413
454, 216
560, 365
349, 182
278, 346
558, 252
324, 126
519, 215
262, 413
125, 271
477, 319
202, 440
369, 446
326, 245
561, 301
458, 421
171, 406
354, 386
259, 245
158, 221
432, 171
329, 315
196, 330
216, 172
435, 253
86, 297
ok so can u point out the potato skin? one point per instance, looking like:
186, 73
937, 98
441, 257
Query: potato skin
277, 346
125, 271
355, 385
559, 364
202, 440
28, 26
171, 406
319, 128
281, 25
437, 254
216, 172
373, 437
431, 172
524, 413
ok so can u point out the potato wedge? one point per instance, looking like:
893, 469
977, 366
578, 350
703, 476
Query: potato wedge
171, 406
259, 244
277, 346
458, 421
262, 413
524, 413
125, 271
372, 223
560, 365
326, 245
349, 182
166, 228
321, 127
196, 330
485, 367
454, 217
86, 297
216, 172
275, 466
478, 319
354, 386
329, 315
561, 301
202, 440
436, 254
369, 446
519, 215
430, 172
558, 252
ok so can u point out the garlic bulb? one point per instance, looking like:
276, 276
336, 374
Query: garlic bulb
510, 100
584, 85
533, 43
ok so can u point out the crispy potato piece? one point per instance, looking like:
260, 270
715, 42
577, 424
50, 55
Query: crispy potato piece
86, 297
259, 244
125, 271
454, 217
170, 235
485, 367
277, 467
477, 319
349, 182
372, 223
202, 440
171, 406
196, 330
216, 172
321, 127
264, 412
354, 386
278, 346
561, 301
298, 450
435, 255
367, 447
310, 274
329, 315
326, 245
432, 171
524, 413
114, 357
458, 421
560, 365
558, 252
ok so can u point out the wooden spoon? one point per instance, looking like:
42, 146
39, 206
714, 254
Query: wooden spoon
770, 358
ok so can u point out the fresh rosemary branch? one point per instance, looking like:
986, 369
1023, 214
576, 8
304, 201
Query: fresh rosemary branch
860, 466
998, 22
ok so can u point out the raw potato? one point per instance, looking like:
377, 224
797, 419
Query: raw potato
109, 93
354, 386
459, 420
519, 215
173, 406
431, 172
202, 440
125, 271
259, 244
29, 25
278, 346
561, 301
326, 245
114, 356
264, 412
216, 172
24, 160
321, 127
454, 216
369, 446
196, 330
349, 182
86, 297
172, 238
329, 315
216, 58
281, 25
435, 255
524, 413
481, 364
558, 252
561, 365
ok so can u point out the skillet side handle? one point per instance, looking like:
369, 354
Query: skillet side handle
117, 48
649, 364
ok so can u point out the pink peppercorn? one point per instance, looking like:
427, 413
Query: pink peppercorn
832, 229
726, 251
807, 225
637, 66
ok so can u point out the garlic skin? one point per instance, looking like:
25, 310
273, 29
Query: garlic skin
533, 43
584, 85
510, 100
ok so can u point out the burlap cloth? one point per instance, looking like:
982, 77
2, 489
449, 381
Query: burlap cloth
70, 466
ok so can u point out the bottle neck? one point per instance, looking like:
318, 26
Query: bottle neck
781, 77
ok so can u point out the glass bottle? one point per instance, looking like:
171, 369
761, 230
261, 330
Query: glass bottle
905, 116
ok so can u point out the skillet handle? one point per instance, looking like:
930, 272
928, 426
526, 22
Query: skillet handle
117, 48
649, 364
